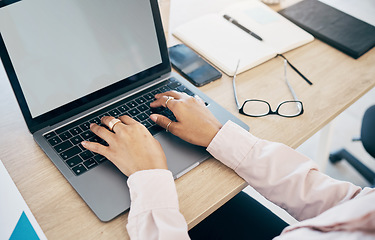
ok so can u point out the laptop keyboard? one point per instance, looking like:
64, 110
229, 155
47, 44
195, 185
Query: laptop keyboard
66, 140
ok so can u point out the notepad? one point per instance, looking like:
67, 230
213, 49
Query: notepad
223, 43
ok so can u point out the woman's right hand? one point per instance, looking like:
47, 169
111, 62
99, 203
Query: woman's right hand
195, 123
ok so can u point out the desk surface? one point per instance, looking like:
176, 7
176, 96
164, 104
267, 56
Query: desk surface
338, 82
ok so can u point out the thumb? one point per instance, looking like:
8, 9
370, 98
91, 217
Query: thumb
162, 121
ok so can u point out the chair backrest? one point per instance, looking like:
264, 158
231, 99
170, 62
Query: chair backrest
368, 131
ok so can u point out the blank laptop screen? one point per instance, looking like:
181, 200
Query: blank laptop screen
64, 50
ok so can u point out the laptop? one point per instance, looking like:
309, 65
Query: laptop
70, 63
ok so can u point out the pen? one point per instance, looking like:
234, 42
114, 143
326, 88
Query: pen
232, 20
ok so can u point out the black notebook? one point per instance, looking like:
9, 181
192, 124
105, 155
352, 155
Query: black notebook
342, 31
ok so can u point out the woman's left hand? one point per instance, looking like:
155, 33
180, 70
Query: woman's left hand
131, 147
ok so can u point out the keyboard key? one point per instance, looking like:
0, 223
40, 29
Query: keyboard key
164, 89
74, 161
76, 139
64, 136
143, 107
174, 85
133, 112
70, 152
146, 123
49, 135
86, 155
78, 170
54, 141
103, 115
85, 126
88, 134
123, 108
140, 100
148, 112
142, 116
90, 163
95, 120
114, 113
63, 146
75, 131
132, 104
155, 92
181, 88
95, 139
149, 96
99, 158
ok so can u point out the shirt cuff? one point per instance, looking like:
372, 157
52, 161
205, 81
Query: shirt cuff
152, 189
231, 144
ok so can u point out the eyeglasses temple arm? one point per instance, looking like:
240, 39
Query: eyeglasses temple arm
290, 86
287, 83
295, 69
234, 86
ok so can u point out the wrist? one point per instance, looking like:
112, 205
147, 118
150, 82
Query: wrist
130, 167
215, 129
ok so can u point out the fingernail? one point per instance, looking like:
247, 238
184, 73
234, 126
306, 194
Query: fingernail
84, 143
153, 117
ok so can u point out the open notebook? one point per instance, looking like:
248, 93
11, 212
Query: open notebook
223, 43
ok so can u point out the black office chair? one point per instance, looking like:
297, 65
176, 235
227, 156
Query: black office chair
368, 142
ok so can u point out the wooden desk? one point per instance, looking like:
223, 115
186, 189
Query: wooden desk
338, 82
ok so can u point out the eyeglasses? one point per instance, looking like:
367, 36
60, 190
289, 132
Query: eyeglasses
260, 108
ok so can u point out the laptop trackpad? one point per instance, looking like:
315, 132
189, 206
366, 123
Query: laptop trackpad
104, 188
181, 156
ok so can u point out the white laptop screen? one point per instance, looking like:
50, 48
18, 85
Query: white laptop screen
64, 50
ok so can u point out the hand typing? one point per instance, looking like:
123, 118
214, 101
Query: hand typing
195, 123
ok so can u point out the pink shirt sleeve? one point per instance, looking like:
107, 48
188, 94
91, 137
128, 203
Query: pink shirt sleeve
154, 212
282, 175
279, 173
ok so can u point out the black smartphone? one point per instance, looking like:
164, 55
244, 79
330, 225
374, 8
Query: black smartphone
191, 66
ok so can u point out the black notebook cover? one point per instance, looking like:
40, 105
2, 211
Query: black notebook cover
342, 31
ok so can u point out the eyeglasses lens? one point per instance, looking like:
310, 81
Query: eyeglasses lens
290, 109
256, 108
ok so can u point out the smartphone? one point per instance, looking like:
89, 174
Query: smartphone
191, 66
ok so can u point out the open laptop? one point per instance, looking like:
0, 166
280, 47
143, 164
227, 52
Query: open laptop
70, 63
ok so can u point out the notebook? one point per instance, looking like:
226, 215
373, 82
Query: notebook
71, 62
342, 31
223, 43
